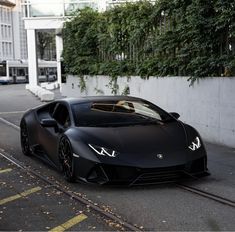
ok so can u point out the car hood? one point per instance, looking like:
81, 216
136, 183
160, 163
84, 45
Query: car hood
137, 138
140, 143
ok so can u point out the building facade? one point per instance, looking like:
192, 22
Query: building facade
13, 40
6, 30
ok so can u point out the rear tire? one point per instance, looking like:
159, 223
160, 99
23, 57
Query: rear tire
24, 138
66, 159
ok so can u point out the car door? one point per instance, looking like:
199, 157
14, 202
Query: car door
51, 136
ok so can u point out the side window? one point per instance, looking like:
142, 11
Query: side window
46, 111
61, 115
52, 108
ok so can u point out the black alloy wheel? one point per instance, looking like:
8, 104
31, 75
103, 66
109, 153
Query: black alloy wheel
66, 159
24, 138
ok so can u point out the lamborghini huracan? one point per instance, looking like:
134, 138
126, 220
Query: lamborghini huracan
113, 140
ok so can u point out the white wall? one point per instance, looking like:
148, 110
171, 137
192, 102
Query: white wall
208, 105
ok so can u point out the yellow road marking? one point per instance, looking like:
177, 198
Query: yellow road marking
70, 223
17, 196
5, 170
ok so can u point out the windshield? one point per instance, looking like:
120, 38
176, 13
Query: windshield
118, 113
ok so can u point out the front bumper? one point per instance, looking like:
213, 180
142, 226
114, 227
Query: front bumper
124, 175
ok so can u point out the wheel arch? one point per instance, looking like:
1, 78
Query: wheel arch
29, 119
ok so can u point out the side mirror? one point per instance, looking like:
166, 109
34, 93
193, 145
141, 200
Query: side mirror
49, 123
175, 115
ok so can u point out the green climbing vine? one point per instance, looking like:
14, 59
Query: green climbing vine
113, 85
126, 91
82, 84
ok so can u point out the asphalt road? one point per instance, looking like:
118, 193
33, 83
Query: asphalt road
161, 207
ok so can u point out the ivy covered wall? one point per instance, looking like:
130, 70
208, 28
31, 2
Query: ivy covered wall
193, 38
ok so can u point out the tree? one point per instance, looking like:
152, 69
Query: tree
45, 39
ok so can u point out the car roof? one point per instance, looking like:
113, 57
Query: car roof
72, 101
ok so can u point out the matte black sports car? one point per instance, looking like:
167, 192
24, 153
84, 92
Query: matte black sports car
118, 140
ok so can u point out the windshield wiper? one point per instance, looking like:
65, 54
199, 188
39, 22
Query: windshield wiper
149, 119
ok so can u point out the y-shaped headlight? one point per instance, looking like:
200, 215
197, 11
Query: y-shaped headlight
103, 151
196, 144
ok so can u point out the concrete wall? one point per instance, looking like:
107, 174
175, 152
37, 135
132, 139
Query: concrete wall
208, 105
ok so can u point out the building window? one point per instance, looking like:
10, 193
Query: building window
4, 14
9, 32
2, 31
7, 16
1, 12
5, 31
25, 10
54, 8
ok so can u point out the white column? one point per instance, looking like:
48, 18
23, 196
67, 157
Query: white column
7, 67
32, 57
59, 50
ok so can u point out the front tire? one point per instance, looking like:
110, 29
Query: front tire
66, 159
24, 138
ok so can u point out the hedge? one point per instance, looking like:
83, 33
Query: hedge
193, 38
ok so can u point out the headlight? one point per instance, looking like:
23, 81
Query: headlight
103, 151
196, 144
